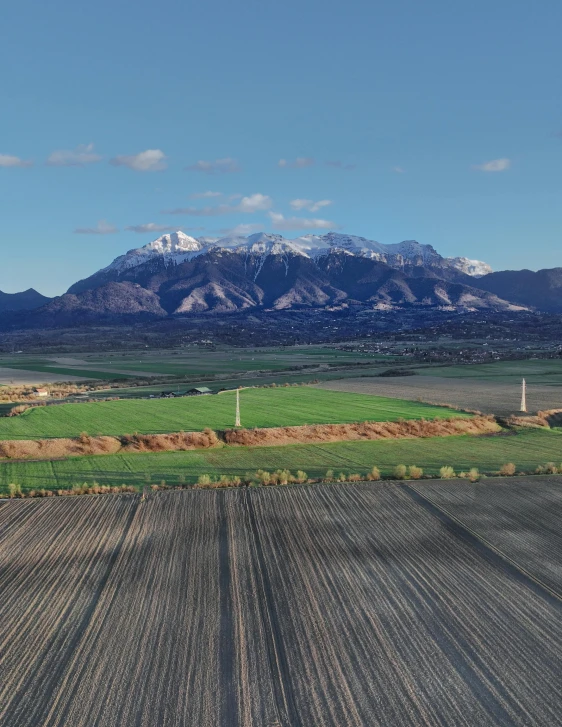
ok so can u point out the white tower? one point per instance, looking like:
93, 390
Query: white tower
524, 396
237, 424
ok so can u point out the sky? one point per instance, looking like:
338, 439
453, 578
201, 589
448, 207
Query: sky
394, 120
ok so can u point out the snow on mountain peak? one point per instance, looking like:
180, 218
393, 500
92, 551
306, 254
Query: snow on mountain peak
474, 268
177, 247
174, 242
173, 247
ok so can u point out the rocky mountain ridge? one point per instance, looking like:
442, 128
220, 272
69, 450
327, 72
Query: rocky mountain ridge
179, 276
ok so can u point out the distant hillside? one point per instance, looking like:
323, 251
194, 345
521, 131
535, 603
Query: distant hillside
27, 300
541, 290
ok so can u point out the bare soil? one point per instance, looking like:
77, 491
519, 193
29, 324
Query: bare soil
328, 606
18, 377
488, 397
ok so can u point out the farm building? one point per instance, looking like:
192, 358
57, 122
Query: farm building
199, 391
41, 392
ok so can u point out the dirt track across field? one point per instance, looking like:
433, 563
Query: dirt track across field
485, 396
325, 605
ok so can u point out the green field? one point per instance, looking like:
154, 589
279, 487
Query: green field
285, 406
526, 449
188, 362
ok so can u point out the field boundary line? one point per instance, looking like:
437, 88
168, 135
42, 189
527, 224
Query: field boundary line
286, 708
472, 535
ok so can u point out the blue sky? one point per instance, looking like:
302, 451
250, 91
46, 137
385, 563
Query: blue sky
436, 121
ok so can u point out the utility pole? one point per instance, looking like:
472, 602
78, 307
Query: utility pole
524, 396
237, 424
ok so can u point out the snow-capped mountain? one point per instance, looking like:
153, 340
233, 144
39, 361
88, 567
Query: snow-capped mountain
174, 248
177, 247
474, 268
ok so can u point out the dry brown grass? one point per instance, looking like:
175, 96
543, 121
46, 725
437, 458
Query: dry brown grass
87, 445
547, 418
42, 449
173, 442
361, 430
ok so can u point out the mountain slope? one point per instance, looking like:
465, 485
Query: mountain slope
541, 289
111, 303
26, 300
178, 248
177, 275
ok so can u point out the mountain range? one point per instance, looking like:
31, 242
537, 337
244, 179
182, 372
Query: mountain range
178, 275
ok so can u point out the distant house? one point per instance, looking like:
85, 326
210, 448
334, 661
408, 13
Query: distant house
41, 392
167, 395
199, 391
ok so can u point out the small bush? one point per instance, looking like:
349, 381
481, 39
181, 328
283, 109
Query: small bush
354, 478
329, 476
204, 480
14, 490
283, 477
301, 477
342, 477
507, 469
446, 473
415, 473
473, 474
263, 477
547, 469
400, 472
374, 474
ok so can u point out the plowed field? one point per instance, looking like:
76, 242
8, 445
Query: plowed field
324, 606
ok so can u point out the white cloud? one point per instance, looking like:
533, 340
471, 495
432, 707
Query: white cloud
280, 222
151, 160
102, 228
253, 203
340, 165
244, 229
495, 165
309, 204
220, 166
205, 195
83, 154
298, 163
398, 170
153, 227
7, 160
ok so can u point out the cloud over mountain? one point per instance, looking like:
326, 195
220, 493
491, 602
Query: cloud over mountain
79, 157
219, 166
495, 165
151, 160
8, 160
102, 228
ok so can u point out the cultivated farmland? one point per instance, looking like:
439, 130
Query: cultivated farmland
324, 605
521, 517
491, 396
259, 407
527, 449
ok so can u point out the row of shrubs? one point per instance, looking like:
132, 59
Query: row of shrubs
85, 489
281, 477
